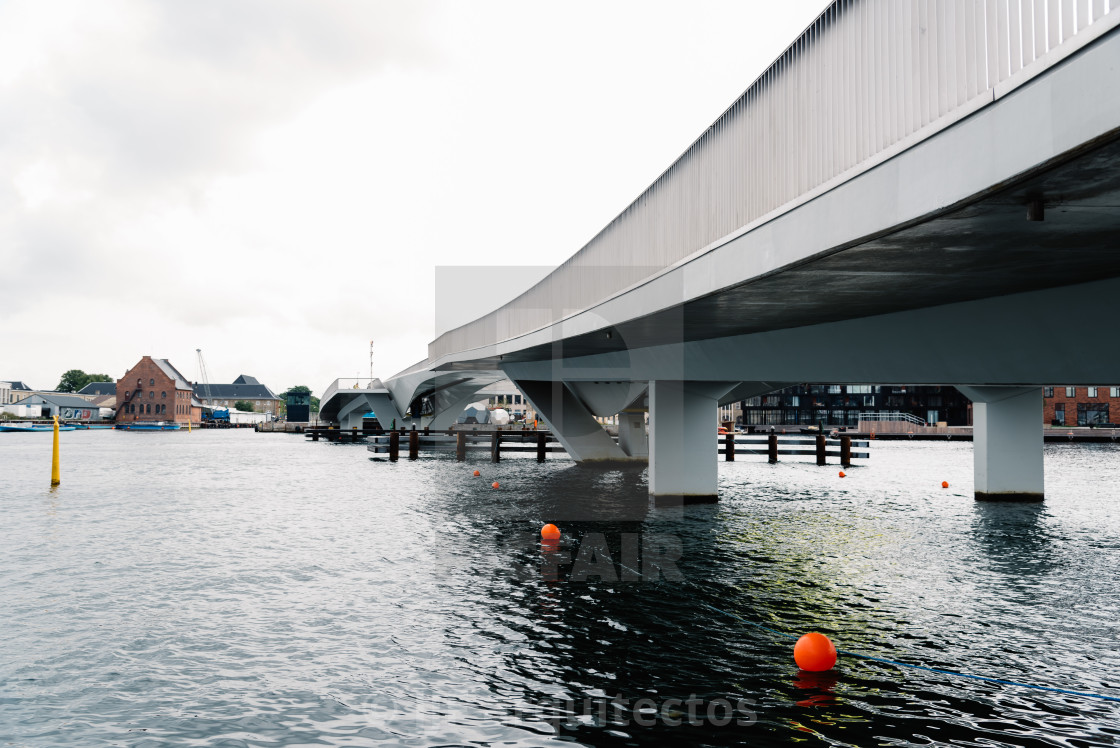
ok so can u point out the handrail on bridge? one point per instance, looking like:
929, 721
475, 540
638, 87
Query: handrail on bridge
351, 383
893, 415
867, 79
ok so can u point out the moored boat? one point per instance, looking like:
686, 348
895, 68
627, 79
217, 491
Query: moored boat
149, 426
33, 427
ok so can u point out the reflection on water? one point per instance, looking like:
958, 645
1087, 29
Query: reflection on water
254, 589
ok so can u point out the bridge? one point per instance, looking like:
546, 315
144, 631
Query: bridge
922, 192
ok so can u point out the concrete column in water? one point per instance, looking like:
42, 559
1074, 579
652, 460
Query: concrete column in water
632, 433
683, 440
1006, 442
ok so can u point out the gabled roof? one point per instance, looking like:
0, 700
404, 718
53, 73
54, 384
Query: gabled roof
234, 391
61, 400
16, 385
166, 367
246, 379
99, 388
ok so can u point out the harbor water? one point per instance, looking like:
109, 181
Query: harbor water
227, 588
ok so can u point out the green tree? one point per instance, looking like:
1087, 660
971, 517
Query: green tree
244, 405
75, 379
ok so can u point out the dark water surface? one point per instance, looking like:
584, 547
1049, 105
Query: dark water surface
232, 588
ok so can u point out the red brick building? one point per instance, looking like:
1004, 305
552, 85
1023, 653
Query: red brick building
1081, 406
154, 390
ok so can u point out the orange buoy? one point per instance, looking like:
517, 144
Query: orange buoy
814, 652
944, 484
550, 532
494, 484
476, 473
842, 474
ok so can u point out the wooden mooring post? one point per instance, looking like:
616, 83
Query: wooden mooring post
821, 450
846, 451
413, 444
729, 447
461, 446
394, 446
772, 448
542, 446
495, 446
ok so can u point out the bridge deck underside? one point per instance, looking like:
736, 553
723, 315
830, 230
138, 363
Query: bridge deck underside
982, 247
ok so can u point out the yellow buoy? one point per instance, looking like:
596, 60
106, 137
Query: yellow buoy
56, 473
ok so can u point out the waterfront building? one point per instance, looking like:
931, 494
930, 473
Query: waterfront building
297, 407
842, 404
245, 388
15, 391
65, 405
1081, 406
101, 394
154, 390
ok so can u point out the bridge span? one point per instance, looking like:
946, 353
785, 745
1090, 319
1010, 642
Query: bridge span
914, 192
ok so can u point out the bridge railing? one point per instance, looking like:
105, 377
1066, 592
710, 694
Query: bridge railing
893, 415
866, 80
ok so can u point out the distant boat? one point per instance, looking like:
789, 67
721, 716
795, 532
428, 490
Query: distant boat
149, 426
93, 426
33, 427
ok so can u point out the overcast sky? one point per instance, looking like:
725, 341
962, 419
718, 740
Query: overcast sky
276, 182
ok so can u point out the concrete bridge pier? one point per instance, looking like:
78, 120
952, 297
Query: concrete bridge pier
350, 415
571, 422
632, 433
1006, 442
683, 436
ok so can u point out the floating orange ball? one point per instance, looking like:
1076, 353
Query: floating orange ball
944, 484
494, 484
550, 532
842, 474
476, 473
814, 652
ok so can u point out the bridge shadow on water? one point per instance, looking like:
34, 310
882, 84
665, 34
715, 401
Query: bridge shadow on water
646, 625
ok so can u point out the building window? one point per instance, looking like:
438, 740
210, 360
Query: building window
152, 382
1114, 391
1071, 392
1092, 414
149, 408
1092, 391
152, 394
1060, 414
163, 395
1048, 392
